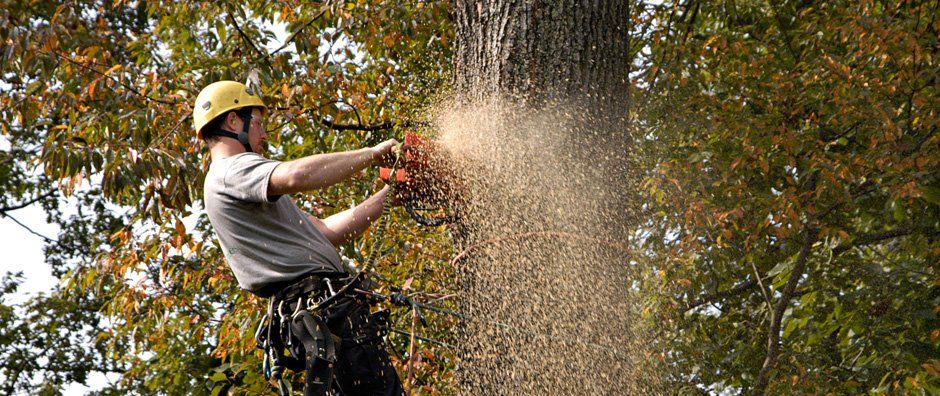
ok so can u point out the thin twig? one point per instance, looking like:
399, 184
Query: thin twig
47, 239
385, 125
112, 78
425, 339
261, 54
735, 290
763, 288
5, 209
291, 38
442, 298
349, 127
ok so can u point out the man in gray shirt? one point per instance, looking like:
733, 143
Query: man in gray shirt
274, 247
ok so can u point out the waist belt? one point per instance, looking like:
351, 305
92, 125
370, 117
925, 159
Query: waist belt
311, 282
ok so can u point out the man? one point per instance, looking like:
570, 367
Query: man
276, 250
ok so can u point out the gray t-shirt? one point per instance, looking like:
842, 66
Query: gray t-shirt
266, 239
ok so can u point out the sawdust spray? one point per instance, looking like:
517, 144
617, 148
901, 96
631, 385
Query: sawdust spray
546, 278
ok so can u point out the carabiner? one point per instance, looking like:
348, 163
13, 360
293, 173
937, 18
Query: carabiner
266, 362
329, 286
297, 309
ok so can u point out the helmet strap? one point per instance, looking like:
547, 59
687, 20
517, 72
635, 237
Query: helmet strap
242, 136
245, 114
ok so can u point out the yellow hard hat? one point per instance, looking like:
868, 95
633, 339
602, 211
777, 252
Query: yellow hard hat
220, 97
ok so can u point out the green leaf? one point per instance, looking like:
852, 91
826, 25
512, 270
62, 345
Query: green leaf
782, 266
931, 194
221, 30
898, 210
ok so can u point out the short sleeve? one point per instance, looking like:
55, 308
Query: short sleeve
248, 176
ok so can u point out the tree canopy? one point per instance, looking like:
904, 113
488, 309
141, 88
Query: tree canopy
793, 194
789, 159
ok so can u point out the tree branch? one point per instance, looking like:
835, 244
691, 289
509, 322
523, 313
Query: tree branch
5, 209
357, 127
261, 54
866, 239
291, 38
112, 78
47, 239
763, 288
738, 289
773, 338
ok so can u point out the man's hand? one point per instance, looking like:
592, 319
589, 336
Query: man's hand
384, 153
393, 198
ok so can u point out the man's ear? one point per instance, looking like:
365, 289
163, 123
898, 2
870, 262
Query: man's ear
230, 122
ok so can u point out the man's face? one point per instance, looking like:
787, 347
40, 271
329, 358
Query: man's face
257, 135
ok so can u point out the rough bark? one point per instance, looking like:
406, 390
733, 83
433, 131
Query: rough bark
542, 50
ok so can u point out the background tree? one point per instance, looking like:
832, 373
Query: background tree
794, 194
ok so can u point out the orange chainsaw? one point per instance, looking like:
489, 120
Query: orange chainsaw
424, 181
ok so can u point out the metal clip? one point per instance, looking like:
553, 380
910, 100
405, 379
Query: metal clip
280, 310
297, 309
329, 286
266, 362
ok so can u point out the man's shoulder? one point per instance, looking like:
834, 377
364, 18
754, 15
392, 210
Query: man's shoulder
243, 176
229, 160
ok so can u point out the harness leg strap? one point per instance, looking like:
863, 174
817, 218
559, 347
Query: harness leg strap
319, 352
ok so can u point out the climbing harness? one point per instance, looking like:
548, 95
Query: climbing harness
295, 335
297, 340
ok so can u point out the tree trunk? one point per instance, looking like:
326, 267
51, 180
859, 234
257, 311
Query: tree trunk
542, 92
535, 50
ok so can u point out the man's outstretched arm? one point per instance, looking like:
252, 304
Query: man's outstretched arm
349, 223
324, 170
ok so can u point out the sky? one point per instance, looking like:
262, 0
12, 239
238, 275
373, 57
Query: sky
24, 251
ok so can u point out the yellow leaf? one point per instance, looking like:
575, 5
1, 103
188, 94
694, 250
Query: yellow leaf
112, 69
91, 51
91, 89
55, 16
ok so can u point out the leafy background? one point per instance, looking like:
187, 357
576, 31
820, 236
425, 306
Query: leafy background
790, 170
